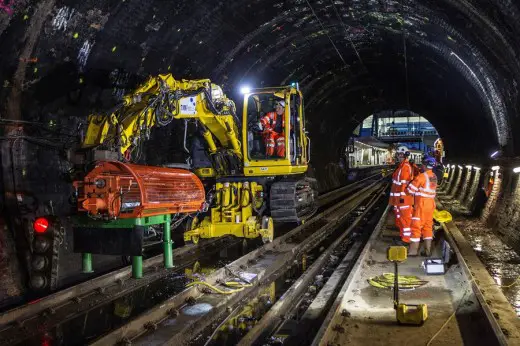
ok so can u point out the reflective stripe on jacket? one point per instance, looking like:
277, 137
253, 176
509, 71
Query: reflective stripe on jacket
423, 186
270, 121
400, 180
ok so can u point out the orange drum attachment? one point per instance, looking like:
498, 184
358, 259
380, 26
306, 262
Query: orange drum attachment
120, 190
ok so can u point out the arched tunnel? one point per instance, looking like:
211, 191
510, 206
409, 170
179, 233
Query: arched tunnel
453, 62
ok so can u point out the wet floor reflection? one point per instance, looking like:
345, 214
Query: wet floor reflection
502, 261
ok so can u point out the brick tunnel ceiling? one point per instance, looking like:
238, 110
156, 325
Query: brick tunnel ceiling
349, 57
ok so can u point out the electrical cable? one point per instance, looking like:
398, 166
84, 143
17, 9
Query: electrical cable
326, 33
348, 36
406, 78
442, 327
210, 339
216, 289
506, 286
449, 318
237, 284
511, 285
405, 281
35, 140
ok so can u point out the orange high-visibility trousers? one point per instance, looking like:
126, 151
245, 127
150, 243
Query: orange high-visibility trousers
397, 218
274, 143
403, 220
422, 219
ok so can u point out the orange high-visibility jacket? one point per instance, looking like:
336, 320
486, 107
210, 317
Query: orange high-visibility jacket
424, 187
400, 180
269, 122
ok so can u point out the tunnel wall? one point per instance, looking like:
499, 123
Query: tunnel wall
463, 194
507, 220
63, 59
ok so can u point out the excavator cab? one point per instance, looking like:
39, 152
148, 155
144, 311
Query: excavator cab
285, 133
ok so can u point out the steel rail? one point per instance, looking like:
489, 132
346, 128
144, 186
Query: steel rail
19, 324
278, 313
500, 315
333, 195
355, 270
266, 262
69, 303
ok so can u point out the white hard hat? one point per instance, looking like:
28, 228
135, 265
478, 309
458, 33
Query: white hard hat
281, 103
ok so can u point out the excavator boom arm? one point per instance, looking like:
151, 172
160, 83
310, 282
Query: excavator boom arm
159, 101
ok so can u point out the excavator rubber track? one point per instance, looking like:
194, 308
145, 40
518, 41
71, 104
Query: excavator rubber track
293, 201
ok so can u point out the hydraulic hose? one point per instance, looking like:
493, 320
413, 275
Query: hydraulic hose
387, 281
250, 194
216, 289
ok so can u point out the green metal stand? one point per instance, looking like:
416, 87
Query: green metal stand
87, 263
137, 261
137, 267
167, 244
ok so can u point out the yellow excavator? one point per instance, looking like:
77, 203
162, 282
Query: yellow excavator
246, 189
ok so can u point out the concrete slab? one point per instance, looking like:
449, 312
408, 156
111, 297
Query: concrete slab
366, 315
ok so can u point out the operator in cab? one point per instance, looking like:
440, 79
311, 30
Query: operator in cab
273, 125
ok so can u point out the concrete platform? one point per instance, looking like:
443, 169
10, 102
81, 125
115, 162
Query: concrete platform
365, 315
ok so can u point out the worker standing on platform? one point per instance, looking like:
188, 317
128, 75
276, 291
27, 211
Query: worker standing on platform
402, 202
424, 188
273, 124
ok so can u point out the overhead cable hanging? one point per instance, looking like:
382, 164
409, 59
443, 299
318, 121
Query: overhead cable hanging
347, 33
406, 80
326, 33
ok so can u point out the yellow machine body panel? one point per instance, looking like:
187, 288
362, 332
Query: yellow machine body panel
233, 214
233, 151
270, 170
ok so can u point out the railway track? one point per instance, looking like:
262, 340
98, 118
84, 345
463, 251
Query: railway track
297, 288
164, 324
75, 305
305, 303
329, 303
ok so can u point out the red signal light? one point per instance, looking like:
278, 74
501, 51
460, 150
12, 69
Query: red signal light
40, 225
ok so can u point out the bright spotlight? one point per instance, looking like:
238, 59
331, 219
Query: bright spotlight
516, 170
495, 168
494, 154
245, 90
